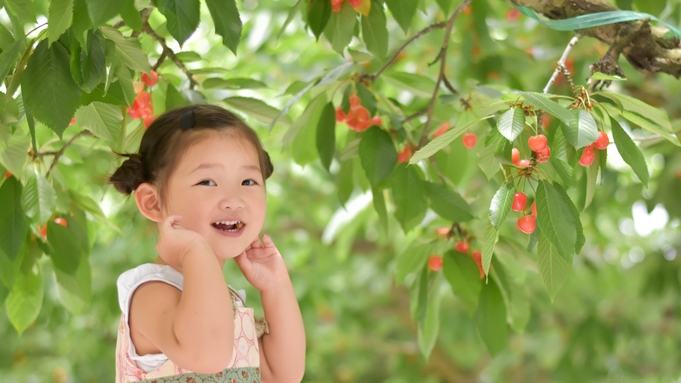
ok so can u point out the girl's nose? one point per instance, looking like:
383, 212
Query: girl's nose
232, 200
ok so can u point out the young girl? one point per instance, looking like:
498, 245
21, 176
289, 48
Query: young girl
200, 175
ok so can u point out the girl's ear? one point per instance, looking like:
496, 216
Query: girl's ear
148, 202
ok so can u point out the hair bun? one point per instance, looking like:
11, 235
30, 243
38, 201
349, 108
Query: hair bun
129, 175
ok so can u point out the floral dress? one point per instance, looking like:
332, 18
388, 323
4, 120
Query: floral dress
131, 367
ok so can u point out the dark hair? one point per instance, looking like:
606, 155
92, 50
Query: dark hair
170, 135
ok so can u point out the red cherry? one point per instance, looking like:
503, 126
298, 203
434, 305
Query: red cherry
477, 257
143, 98
545, 121
148, 120
587, 157
61, 221
537, 142
534, 209
519, 201
602, 141
73, 121
43, 230
404, 155
544, 154
469, 140
435, 262
442, 129
442, 232
8, 174
376, 120
523, 164
340, 115
354, 100
513, 14
515, 156
468, 10
150, 81
138, 86
355, 3
462, 247
527, 224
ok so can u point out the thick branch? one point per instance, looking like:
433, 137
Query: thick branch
166, 50
651, 50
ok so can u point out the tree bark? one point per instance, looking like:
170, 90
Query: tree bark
649, 49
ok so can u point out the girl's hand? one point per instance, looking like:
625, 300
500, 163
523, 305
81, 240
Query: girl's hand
174, 241
262, 265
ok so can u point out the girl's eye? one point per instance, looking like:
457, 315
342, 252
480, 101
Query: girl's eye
248, 182
207, 183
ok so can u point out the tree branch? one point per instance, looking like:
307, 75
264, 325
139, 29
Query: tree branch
651, 50
166, 50
442, 56
61, 151
561, 62
420, 33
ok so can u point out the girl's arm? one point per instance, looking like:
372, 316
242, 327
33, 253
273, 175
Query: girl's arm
282, 351
195, 327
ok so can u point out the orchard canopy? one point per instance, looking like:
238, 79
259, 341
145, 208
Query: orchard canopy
463, 190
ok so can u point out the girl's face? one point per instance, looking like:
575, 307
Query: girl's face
218, 189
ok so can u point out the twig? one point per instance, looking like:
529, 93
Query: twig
443, 62
160, 61
169, 52
448, 85
36, 28
561, 63
416, 115
420, 33
61, 151
652, 137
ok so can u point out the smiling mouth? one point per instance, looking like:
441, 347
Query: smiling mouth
231, 226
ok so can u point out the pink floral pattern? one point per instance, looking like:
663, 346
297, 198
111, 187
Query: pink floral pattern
245, 355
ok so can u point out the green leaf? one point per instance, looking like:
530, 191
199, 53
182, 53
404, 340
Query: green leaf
92, 62
501, 204
488, 162
511, 123
344, 184
103, 11
591, 178
378, 154
435, 145
227, 22
183, 17
257, 109
48, 90
428, 329
326, 135
408, 196
378, 201
26, 298
13, 222
565, 171
131, 15
60, 14
318, 14
104, 120
553, 267
232, 83
575, 217
81, 21
175, 99
490, 240
445, 5
582, 130
403, 11
22, 9
515, 298
10, 55
448, 204
542, 102
412, 259
647, 117
555, 219
416, 84
38, 198
75, 290
630, 153
304, 132
15, 156
464, 278
375, 32
598, 76
491, 318
339, 29
67, 251
128, 50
